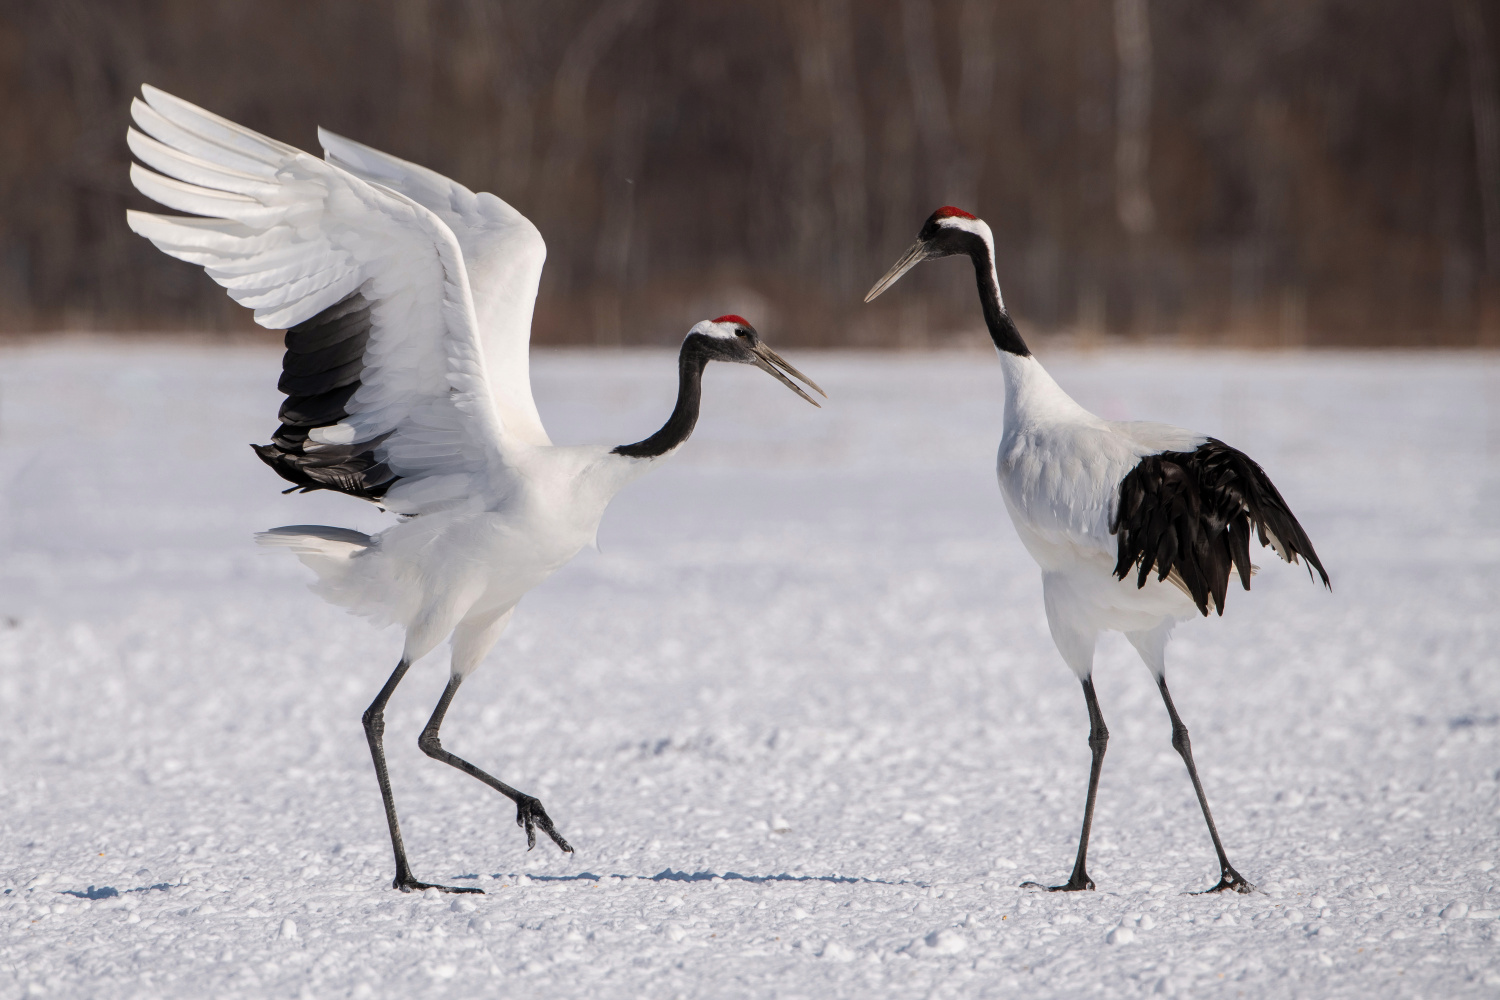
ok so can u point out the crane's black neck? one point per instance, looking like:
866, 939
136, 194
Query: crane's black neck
1002, 328
679, 426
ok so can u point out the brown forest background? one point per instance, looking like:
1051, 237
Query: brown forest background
1245, 171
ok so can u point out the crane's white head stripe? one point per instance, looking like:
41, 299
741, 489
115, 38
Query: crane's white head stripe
969, 225
724, 328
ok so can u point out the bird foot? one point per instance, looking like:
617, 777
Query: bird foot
530, 815
1230, 879
409, 884
1075, 884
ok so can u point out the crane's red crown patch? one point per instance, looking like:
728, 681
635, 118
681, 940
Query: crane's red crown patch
732, 318
948, 212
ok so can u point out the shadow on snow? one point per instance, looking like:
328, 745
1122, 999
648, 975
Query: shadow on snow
668, 875
109, 891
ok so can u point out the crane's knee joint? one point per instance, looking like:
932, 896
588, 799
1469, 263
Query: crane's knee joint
430, 743
374, 721
1098, 739
1180, 741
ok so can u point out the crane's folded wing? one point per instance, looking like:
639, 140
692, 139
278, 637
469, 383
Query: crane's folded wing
1190, 514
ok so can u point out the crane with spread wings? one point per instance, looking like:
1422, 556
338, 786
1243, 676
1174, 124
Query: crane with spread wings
407, 302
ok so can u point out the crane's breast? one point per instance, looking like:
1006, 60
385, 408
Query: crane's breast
1059, 484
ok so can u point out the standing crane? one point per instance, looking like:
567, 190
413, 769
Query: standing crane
1135, 525
407, 303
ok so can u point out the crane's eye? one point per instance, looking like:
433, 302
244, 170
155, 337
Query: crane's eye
742, 332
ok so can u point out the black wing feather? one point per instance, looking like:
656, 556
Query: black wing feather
1191, 512
319, 373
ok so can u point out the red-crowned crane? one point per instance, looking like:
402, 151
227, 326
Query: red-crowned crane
1136, 526
407, 302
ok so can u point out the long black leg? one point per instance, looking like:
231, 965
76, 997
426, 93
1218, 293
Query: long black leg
1228, 877
374, 719
529, 812
1098, 742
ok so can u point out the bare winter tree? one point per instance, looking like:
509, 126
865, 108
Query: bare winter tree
1133, 117
1485, 105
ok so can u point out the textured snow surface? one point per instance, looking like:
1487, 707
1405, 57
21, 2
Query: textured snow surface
801, 717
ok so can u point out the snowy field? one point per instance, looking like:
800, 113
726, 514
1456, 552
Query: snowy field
801, 716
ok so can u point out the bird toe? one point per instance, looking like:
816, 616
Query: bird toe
531, 815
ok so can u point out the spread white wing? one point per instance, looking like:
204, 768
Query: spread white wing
385, 374
504, 254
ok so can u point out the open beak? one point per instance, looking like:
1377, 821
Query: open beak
769, 361
909, 260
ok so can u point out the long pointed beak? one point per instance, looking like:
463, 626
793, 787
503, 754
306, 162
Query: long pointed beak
768, 360
909, 260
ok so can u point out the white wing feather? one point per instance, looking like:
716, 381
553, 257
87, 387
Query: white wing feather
504, 254
289, 235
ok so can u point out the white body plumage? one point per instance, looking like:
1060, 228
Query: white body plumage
1060, 468
462, 569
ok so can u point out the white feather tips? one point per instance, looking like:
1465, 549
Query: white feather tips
337, 434
215, 129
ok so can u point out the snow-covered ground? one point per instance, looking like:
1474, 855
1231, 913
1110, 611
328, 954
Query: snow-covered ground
801, 717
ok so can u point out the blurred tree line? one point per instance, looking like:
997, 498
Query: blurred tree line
1258, 171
